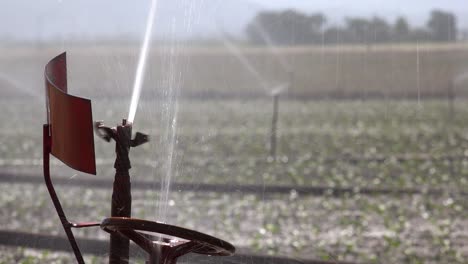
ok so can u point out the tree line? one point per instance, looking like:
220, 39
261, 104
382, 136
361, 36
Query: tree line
292, 27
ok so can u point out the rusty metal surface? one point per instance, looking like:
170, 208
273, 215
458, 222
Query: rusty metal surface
70, 120
163, 250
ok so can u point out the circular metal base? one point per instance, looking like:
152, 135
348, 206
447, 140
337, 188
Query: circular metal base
165, 243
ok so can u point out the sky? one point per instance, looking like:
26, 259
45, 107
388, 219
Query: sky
93, 19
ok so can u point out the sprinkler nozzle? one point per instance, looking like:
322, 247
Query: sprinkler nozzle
108, 133
139, 139
122, 135
104, 132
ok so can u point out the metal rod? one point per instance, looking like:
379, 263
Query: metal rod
451, 101
121, 194
53, 195
274, 127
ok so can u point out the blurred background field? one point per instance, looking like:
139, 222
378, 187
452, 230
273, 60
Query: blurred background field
403, 71
371, 158
373, 143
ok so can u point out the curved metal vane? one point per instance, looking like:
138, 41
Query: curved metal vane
70, 119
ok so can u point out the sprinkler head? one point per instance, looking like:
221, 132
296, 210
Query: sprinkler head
108, 133
122, 136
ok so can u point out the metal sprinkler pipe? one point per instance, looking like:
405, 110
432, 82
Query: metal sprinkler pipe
121, 194
274, 127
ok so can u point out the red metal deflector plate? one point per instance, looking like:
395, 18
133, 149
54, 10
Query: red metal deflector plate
70, 119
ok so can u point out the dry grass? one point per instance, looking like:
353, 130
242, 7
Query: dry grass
406, 71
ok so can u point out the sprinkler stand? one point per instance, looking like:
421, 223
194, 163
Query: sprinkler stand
68, 135
121, 193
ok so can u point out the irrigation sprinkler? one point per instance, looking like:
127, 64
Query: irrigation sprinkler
451, 100
290, 86
274, 127
121, 194
68, 135
274, 119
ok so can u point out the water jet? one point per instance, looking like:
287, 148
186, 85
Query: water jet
68, 135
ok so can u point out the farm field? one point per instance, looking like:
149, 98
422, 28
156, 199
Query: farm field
330, 143
355, 117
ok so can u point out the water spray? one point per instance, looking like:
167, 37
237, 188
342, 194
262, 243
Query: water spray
140, 70
68, 135
245, 62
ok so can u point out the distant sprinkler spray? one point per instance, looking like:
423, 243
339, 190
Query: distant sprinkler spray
140, 71
245, 62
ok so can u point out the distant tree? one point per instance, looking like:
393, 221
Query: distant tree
258, 29
401, 29
291, 27
288, 27
464, 34
381, 30
335, 35
442, 26
420, 35
358, 29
